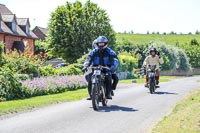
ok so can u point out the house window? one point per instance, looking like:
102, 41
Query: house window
14, 26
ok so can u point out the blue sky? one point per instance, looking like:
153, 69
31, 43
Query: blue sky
137, 15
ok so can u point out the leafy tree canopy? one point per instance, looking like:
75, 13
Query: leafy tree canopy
74, 26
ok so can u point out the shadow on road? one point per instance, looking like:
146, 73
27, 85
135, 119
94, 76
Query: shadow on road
161, 93
116, 108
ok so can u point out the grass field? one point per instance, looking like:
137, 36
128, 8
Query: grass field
168, 39
185, 117
142, 80
40, 101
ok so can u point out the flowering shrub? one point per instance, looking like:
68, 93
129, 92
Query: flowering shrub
57, 84
23, 63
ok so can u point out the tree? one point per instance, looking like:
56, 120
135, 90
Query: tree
131, 32
74, 26
197, 32
194, 42
172, 33
41, 46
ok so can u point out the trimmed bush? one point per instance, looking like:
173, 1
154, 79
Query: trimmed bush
177, 57
193, 52
47, 70
127, 63
68, 70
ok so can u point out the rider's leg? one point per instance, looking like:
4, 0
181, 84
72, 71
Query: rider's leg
108, 85
146, 84
157, 76
115, 81
88, 78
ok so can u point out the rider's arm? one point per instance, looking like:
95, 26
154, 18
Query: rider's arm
161, 60
88, 60
116, 62
114, 58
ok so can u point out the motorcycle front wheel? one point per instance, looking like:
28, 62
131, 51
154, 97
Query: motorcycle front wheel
95, 97
151, 86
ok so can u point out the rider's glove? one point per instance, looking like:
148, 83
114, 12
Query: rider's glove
158, 53
84, 69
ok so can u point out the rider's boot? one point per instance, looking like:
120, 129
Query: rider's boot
112, 93
157, 82
108, 96
146, 85
89, 98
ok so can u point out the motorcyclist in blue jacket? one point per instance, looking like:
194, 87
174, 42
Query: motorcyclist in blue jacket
103, 56
114, 75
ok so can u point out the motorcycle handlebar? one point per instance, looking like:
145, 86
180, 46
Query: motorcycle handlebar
100, 67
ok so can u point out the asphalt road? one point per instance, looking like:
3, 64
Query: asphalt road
132, 110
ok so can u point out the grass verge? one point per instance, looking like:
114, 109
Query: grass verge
185, 117
142, 80
15, 106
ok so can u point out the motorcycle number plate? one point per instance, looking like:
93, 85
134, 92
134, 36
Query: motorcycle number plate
97, 72
93, 80
151, 75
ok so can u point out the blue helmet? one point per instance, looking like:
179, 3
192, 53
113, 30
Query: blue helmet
102, 39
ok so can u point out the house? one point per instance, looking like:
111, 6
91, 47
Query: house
40, 32
15, 32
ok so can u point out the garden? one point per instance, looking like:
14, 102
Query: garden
19, 76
